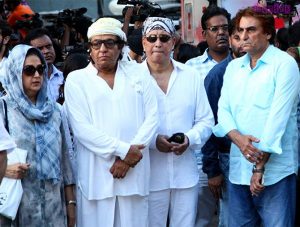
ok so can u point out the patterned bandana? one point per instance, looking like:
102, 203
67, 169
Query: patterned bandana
158, 23
46, 132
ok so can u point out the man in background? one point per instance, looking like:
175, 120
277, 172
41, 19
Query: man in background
216, 150
215, 24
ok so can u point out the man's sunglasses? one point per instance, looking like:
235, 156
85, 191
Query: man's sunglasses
108, 43
163, 38
30, 70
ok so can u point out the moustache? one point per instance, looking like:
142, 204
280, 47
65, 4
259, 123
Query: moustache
222, 39
244, 44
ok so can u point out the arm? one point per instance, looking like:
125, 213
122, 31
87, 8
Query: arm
66, 36
226, 122
150, 122
213, 84
203, 120
212, 168
3, 163
256, 183
71, 204
127, 18
68, 177
286, 92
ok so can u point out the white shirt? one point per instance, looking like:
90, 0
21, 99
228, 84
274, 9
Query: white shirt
106, 122
56, 79
184, 108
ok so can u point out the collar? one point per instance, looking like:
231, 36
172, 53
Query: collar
55, 71
206, 57
266, 58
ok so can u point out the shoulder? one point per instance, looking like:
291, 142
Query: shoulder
184, 68
194, 61
81, 75
134, 70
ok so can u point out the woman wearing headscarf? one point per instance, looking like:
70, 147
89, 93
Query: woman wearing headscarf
34, 122
183, 108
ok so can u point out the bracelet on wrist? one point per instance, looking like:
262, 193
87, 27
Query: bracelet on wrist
256, 170
71, 202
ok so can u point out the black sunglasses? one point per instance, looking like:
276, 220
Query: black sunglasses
163, 38
30, 70
108, 43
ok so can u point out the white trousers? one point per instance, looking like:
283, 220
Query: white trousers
180, 204
118, 211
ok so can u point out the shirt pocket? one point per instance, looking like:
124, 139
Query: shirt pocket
263, 96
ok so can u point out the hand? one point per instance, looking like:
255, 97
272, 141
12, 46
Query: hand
119, 168
134, 155
178, 149
256, 185
71, 215
244, 143
162, 144
215, 186
17, 171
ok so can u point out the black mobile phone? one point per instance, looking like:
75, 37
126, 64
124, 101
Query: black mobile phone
177, 138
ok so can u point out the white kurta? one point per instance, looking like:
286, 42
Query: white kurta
106, 122
184, 108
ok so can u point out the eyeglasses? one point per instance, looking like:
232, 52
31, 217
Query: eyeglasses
163, 38
108, 43
30, 70
215, 29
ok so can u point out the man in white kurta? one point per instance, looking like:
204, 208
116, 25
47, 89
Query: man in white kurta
113, 118
183, 107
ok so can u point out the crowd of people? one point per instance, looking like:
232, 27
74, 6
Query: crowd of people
142, 129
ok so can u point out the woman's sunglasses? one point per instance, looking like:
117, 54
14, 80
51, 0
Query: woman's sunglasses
163, 38
30, 70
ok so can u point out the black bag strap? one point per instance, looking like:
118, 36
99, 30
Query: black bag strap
6, 118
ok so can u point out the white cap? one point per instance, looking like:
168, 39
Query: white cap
106, 26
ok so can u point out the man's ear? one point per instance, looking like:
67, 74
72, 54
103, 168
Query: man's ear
204, 34
6, 40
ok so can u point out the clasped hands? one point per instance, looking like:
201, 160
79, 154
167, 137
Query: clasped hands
120, 167
163, 145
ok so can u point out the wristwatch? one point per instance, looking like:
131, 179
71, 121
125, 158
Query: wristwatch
256, 170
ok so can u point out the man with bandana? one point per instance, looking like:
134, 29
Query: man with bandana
183, 108
112, 110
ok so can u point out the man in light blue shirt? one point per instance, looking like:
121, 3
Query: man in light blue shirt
257, 111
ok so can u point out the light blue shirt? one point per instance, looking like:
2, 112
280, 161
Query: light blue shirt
261, 102
56, 79
202, 64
